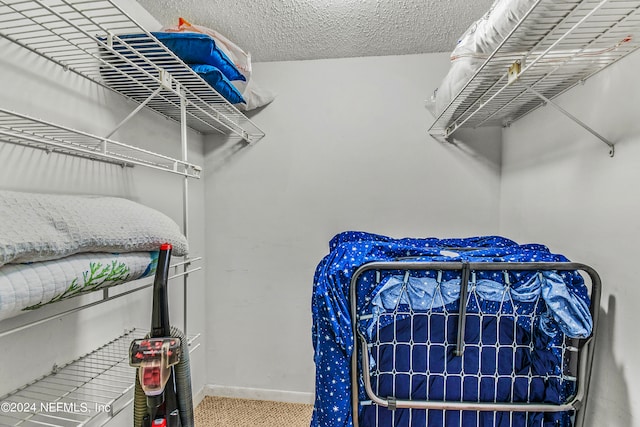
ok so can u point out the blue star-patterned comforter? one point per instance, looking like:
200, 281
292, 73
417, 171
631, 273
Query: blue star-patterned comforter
565, 311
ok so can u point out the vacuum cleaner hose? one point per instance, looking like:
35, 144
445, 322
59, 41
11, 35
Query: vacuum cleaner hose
182, 372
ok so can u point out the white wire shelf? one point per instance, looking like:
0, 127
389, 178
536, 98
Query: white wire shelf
24, 130
82, 36
88, 391
555, 46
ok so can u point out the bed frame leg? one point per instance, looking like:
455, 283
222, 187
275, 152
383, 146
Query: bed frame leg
464, 284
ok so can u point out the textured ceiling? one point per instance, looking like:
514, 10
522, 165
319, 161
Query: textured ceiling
280, 30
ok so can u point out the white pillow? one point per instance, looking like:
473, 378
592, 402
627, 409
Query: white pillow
39, 227
254, 95
484, 35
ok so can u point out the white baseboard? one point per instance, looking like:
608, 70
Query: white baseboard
258, 394
197, 397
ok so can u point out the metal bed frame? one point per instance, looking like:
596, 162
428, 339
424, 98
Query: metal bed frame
580, 352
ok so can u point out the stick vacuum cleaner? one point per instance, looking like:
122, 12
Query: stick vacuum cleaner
162, 395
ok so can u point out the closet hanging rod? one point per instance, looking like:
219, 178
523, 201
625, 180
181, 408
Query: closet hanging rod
26, 130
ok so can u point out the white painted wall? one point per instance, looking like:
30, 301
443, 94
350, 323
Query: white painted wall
36, 87
346, 149
560, 187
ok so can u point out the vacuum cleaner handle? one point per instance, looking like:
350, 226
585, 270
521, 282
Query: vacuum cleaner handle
160, 326
162, 399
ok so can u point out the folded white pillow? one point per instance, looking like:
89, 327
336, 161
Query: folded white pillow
486, 34
39, 227
474, 47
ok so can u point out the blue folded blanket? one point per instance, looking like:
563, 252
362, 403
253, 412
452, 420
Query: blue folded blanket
219, 82
199, 51
196, 48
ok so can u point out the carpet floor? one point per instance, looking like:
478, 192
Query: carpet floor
228, 412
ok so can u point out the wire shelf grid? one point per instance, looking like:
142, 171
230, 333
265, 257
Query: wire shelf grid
88, 391
84, 37
557, 46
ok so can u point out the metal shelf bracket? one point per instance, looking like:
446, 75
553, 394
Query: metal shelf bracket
135, 111
572, 117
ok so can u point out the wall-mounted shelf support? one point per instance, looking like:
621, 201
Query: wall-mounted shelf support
86, 37
135, 111
185, 207
574, 118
